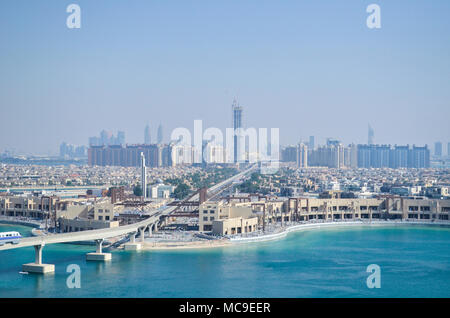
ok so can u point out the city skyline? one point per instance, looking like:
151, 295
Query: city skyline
307, 68
436, 147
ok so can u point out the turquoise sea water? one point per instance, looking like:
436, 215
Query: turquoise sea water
414, 261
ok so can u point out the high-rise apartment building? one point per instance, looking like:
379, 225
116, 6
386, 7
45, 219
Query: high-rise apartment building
72, 151
311, 143
120, 138
331, 156
373, 156
383, 156
302, 156
106, 138
420, 157
438, 149
289, 154
129, 155
399, 157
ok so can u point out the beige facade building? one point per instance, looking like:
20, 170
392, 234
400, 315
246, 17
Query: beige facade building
75, 225
104, 212
224, 218
236, 225
227, 218
72, 214
376, 208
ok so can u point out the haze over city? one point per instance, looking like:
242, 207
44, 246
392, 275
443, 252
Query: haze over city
309, 68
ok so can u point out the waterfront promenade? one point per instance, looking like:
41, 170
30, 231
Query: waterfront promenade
275, 232
171, 241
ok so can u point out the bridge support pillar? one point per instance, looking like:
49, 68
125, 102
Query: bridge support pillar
132, 245
37, 266
142, 234
150, 230
98, 255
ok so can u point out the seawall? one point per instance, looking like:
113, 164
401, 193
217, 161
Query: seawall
308, 226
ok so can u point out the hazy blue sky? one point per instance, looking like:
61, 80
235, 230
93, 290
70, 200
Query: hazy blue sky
307, 67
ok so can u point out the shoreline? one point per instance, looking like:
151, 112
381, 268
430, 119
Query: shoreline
15, 221
147, 246
226, 242
319, 225
277, 234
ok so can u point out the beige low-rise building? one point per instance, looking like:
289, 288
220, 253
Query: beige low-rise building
229, 217
222, 218
104, 212
75, 225
388, 207
237, 225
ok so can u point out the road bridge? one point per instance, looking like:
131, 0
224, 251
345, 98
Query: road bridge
150, 224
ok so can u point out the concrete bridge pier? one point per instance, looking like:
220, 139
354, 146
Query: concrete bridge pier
37, 266
132, 245
142, 234
98, 255
150, 230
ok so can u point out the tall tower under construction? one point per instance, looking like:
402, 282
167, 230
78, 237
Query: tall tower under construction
237, 123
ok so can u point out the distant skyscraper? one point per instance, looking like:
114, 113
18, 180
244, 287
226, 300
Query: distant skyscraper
370, 136
94, 141
380, 156
120, 140
237, 123
399, 157
420, 157
311, 143
332, 142
302, 156
289, 154
331, 155
160, 134
147, 137
448, 149
438, 149
143, 176
107, 138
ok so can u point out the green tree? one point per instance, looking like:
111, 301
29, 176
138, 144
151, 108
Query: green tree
181, 191
137, 190
255, 176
